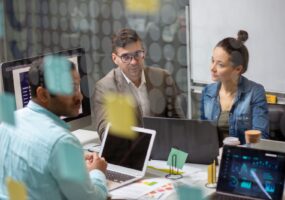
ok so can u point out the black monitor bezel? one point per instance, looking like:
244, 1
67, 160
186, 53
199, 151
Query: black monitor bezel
7, 75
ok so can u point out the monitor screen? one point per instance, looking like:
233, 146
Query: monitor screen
15, 81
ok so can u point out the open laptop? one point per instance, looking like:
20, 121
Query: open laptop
273, 145
198, 138
127, 159
247, 173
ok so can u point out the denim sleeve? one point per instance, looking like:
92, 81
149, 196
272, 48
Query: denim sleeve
202, 111
71, 174
260, 118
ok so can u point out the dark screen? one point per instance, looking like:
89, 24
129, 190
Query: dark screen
126, 152
241, 166
20, 87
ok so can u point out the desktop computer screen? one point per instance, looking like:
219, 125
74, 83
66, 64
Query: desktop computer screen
15, 81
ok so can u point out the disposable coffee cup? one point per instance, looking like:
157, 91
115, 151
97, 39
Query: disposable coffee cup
232, 141
252, 136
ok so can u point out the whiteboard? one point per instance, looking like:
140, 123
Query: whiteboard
264, 20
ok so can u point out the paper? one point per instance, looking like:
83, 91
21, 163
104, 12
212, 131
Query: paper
16, 190
58, 77
120, 112
177, 155
271, 98
185, 191
166, 170
160, 193
156, 165
7, 108
138, 189
72, 165
145, 6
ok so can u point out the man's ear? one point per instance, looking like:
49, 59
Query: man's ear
114, 58
43, 95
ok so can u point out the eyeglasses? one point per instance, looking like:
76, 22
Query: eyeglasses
127, 57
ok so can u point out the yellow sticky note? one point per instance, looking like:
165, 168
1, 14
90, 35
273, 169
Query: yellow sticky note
271, 98
145, 6
16, 190
120, 111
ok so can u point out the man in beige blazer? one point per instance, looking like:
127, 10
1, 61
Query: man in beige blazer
153, 89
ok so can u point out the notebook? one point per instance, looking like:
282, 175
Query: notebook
249, 173
198, 138
127, 159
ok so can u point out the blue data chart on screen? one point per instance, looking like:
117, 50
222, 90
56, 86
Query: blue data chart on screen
257, 174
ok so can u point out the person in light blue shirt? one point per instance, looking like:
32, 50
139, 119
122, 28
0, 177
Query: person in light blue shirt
31, 150
234, 102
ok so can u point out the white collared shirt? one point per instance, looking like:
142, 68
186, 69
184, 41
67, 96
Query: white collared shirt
140, 94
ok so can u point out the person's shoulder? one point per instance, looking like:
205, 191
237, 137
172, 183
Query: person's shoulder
108, 79
211, 89
251, 85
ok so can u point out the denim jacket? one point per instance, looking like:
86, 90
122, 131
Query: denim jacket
249, 110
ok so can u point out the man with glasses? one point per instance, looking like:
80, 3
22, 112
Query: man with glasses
153, 89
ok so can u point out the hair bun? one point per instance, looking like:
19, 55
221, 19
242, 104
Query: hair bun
242, 36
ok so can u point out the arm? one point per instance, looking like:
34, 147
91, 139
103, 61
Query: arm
98, 109
202, 111
68, 168
260, 118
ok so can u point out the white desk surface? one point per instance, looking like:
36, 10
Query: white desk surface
196, 174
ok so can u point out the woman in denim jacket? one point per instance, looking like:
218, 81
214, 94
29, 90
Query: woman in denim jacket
234, 102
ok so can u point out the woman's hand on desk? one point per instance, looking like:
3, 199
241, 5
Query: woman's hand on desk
93, 161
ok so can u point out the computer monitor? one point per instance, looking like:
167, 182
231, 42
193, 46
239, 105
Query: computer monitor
14, 76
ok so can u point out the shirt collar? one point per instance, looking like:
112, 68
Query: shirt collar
129, 81
242, 87
39, 109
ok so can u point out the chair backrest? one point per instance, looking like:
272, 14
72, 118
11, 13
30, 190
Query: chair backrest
276, 112
282, 124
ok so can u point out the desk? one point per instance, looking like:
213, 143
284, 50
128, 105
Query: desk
196, 175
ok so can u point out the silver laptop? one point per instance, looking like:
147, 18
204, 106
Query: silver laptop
127, 159
199, 138
248, 173
273, 145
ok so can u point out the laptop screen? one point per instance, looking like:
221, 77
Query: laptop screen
126, 152
252, 172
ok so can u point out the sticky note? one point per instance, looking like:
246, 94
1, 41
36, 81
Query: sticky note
16, 190
145, 6
2, 25
184, 192
120, 111
58, 76
7, 108
71, 163
180, 158
271, 98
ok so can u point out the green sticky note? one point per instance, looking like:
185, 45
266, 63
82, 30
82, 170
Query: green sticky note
71, 163
7, 108
185, 192
180, 158
58, 76
2, 26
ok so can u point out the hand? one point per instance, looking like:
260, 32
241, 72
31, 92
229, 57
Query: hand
93, 161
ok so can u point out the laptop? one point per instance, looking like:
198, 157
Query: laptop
127, 159
247, 173
273, 145
198, 138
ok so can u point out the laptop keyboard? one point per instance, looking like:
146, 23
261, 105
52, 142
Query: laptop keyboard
118, 177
